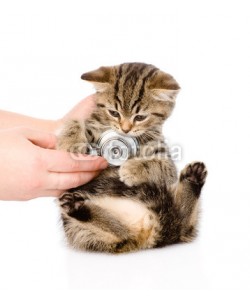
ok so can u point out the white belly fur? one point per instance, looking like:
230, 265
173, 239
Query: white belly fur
128, 211
142, 222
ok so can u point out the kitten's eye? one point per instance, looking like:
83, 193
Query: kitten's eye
140, 118
114, 113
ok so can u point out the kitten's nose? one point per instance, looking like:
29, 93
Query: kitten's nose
126, 126
125, 130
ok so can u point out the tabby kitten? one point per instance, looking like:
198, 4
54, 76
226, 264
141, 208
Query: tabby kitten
141, 204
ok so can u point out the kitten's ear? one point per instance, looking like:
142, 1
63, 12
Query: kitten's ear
101, 77
164, 87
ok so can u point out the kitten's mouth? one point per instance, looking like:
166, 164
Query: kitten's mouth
134, 133
129, 134
137, 133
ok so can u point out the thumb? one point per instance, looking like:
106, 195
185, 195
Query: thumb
40, 138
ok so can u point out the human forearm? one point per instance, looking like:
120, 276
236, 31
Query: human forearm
79, 111
11, 120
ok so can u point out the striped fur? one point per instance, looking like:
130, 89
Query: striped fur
142, 204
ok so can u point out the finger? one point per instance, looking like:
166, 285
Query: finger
40, 138
62, 161
65, 181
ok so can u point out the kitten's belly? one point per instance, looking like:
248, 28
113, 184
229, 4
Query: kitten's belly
136, 216
127, 210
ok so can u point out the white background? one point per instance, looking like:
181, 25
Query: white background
45, 46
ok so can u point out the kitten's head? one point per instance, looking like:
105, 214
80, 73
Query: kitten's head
133, 97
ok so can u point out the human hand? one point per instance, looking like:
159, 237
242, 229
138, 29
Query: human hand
31, 168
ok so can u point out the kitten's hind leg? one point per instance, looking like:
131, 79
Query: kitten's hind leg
90, 227
186, 195
194, 173
71, 202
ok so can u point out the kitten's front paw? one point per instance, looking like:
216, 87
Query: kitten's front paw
195, 173
72, 146
81, 148
132, 172
72, 138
